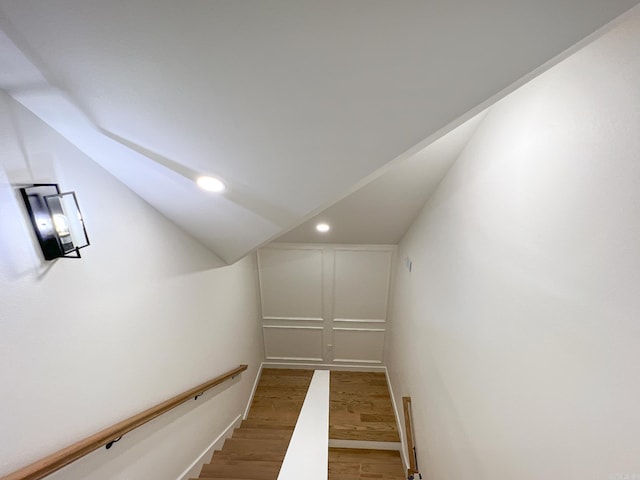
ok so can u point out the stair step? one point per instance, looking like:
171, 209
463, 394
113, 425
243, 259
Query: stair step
272, 428
262, 433
253, 461
249, 444
250, 463
221, 478
265, 423
347, 455
251, 456
356, 463
242, 469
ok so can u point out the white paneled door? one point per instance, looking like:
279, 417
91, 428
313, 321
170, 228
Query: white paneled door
325, 303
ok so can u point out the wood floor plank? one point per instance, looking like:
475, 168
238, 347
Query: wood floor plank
294, 372
260, 456
371, 436
360, 464
267, 423
361, 408
357, 455
262, 433
249, 445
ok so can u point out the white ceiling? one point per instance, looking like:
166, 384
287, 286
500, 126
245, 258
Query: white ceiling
294, 103
382, 211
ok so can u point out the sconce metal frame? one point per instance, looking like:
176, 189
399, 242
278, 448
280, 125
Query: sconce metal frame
44, 203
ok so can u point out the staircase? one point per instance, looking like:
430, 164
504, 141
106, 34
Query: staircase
361, 411
256, 449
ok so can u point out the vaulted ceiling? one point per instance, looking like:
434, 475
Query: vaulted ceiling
293, 103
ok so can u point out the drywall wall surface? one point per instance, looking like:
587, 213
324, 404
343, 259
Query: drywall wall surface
517, 330
145, 314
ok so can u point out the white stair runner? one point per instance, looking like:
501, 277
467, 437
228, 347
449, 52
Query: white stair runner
308, 453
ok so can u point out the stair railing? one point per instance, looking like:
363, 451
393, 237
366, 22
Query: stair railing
412, 471
109, 436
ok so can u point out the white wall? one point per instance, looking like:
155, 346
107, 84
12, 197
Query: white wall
325, 302
518, 331
144, 315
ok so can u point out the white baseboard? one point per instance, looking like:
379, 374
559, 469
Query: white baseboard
193, 470
325, 366
403, 441
253, 392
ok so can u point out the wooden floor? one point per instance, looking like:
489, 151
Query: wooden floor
256, 449
357, 464
361, 408
279, 397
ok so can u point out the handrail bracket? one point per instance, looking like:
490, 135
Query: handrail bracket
110, 444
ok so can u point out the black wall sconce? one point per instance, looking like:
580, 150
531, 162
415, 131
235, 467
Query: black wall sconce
56, 220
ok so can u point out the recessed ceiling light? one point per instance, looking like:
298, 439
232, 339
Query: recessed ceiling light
323, 227
210, 184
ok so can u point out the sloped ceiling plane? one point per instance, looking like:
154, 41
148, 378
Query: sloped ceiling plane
293, 104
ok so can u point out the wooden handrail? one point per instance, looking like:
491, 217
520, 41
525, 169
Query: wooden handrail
64, 457
406, 404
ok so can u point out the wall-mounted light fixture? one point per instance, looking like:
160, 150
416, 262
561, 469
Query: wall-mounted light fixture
56, 220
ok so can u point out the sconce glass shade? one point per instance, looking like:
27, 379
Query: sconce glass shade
56, 220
